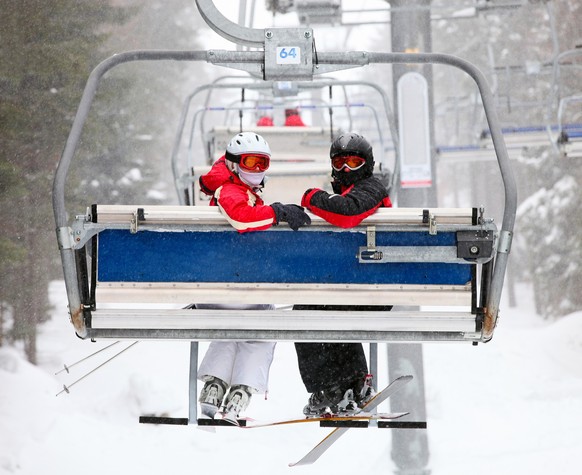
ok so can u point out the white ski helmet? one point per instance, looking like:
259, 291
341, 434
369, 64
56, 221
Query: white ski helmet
246, 142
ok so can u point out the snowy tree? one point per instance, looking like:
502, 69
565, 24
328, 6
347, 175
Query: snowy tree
47, 51
548, 245
516, 50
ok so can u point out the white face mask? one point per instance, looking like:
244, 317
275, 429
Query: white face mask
251, 179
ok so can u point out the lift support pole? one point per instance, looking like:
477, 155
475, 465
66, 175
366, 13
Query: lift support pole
411, 32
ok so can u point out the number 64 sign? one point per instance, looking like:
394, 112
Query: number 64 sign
288, 55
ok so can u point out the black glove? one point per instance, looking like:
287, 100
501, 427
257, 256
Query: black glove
293, 215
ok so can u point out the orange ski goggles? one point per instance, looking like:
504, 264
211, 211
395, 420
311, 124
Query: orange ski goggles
353, 162
254, 163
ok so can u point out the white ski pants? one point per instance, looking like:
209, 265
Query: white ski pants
239, 362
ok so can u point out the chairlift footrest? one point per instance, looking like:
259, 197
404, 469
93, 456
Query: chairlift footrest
351, 424
180, 421
221, 423
402, 424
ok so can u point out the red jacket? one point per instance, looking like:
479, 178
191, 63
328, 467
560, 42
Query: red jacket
294, 121
241, 205
265, 121
349, 208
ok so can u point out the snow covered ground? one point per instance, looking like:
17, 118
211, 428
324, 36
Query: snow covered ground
512, 406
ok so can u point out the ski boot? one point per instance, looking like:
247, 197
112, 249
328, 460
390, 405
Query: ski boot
238, 400
357, 396
366, 392
319, 405
347, 405
211, 396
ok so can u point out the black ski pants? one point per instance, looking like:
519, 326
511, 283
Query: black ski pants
325, 366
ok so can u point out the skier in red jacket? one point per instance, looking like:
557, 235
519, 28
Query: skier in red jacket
234, 370
265, 121
293, 119
237, 178
336, 374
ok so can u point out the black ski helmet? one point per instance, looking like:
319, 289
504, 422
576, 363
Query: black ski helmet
352, 144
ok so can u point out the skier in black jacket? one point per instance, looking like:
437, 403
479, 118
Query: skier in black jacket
336, 374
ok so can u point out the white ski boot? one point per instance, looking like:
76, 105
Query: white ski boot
238, 400
211, 396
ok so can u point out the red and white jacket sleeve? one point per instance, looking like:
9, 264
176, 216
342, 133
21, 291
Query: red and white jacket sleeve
243, 209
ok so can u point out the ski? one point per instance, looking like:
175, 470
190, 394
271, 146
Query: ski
334, 435
360, 416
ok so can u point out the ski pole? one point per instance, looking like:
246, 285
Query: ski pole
66, 389
66, 368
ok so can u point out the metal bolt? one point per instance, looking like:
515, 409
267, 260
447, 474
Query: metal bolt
307, 34
474, 250
268, 34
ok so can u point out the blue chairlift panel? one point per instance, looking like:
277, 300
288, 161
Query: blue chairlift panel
328, 257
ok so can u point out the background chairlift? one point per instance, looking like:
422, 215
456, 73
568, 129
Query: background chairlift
308, 145
569, 141
119, 284
566, 138
560, 129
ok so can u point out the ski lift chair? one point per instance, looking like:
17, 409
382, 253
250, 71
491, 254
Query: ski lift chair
130, 269
114, 256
